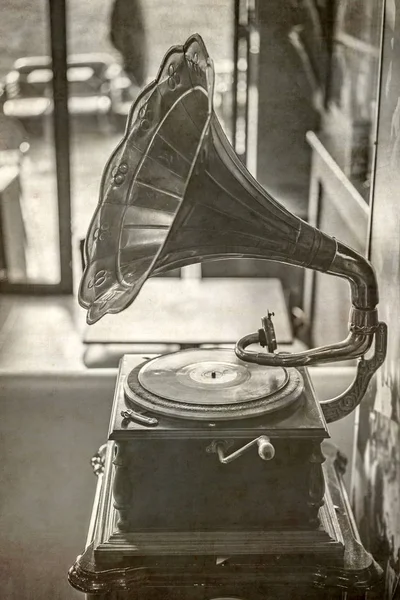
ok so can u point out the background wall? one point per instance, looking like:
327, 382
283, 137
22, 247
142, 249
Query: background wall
51, 426
376, 490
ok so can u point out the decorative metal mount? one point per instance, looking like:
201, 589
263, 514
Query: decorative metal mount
98, 460
345, 403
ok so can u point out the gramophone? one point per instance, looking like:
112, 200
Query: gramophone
215, 451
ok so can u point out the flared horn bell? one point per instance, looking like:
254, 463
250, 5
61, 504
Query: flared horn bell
174, 193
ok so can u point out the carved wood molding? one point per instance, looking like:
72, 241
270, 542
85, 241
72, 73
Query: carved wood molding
356, 571
84, 576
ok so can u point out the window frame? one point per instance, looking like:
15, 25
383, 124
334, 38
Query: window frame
61, 129
57, 22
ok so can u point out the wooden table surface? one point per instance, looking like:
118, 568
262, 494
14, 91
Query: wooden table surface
195, 311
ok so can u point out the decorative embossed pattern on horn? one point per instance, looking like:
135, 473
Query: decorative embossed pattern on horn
145, 179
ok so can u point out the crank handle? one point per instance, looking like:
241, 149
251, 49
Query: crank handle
266, 450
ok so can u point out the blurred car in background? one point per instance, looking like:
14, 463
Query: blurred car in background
96, 85
26, 95
14, 140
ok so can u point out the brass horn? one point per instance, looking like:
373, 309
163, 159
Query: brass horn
174, 193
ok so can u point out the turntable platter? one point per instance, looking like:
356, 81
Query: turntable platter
197, 376
211, 384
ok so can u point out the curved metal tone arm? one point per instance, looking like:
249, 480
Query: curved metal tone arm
345, 403
352, 347
351, 265
363, 321
364, 328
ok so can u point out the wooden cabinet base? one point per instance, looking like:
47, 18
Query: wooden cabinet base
329, 563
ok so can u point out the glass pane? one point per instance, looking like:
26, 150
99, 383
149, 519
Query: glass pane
350, 121
128, 41
28, 193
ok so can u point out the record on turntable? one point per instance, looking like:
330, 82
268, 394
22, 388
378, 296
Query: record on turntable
211, 384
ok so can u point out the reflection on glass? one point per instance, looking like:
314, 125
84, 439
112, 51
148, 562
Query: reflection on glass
350, 120
28, 194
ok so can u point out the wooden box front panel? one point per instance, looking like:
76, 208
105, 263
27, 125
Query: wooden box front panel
177, 485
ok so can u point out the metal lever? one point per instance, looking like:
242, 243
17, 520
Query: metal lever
266, 451
131, 415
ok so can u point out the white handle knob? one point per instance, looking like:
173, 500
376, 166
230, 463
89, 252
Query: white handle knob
266, 451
